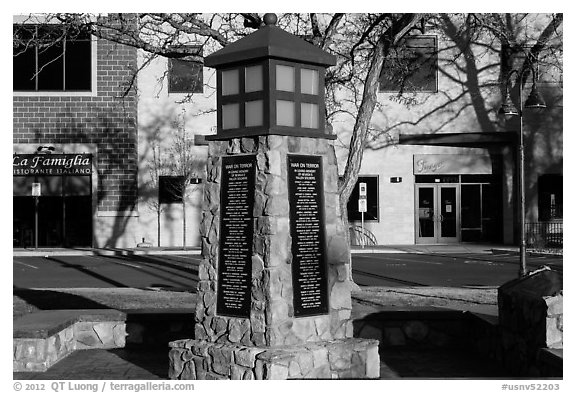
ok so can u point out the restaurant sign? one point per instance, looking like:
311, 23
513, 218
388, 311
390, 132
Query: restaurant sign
452, 164
51, 164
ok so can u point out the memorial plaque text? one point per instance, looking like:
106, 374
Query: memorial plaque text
236, 233
305, 187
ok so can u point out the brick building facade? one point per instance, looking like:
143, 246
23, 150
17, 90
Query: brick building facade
99, 121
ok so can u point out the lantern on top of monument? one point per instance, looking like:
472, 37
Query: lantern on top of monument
270, 83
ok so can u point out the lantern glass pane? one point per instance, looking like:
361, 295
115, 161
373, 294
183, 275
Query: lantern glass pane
253, 79
284, 78
230, 116
285, 113
309, 81
309, 115
254, 113
230, 82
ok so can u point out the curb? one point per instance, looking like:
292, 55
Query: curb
103, 252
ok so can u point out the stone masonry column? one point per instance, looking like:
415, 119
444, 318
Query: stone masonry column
273, 343
274, 296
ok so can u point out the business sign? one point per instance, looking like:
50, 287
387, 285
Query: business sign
362, 205
452, 164
362, 190
51, 164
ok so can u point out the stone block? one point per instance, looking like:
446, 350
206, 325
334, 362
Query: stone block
321, 326
275, 371
86, 339
373, 362
209, 298
236, 372
119, 334
554, 305
277, 206
176, 364
249, 145
257, 321
320, 357
303, 328
274, 161
237, 328
320, 372
221, 358
554, 336
340, 296
294, 370
246, 357
233, 146
275, 186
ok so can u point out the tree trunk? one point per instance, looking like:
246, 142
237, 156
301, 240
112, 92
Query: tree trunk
396, 31
359, 139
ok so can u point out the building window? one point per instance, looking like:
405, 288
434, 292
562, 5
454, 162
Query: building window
412, 66
48, 58
185, 75
550, 197
171, 189
372, 200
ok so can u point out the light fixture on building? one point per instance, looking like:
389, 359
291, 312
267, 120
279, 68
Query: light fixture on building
534, 101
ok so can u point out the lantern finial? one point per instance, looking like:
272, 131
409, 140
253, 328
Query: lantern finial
270, 19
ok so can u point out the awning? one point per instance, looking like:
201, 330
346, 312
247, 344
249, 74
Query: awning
465, 139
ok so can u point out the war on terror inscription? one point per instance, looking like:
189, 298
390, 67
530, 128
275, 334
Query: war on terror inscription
237, 231
308, 238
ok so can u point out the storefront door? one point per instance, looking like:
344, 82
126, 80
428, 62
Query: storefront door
61, 217
437, 213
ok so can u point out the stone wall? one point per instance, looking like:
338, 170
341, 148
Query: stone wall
272, 320
530, 311
351, 358
38, 352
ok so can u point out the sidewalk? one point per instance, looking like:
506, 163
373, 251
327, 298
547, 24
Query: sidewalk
379, 249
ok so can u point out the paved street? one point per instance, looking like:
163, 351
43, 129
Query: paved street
180, 271
448, 270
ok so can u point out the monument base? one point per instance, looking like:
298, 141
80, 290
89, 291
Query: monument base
350, 358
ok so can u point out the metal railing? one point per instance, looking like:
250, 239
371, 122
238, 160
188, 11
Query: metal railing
361, 236
544, 234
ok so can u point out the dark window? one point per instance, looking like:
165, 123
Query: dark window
550, 197
48, 58
185, 75
371, 200
412, 66
171, 189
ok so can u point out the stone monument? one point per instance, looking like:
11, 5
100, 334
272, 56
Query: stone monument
274, 295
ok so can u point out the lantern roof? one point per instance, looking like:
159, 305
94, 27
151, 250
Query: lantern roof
270, 42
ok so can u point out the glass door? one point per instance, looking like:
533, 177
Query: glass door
437, 214
448, 220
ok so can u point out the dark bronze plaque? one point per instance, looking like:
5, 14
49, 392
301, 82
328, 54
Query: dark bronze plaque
306, 195
236, 233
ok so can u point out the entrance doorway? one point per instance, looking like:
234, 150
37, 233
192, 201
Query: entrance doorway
60, 217
457, 208
437, 218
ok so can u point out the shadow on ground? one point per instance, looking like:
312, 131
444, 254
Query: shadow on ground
41, 299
